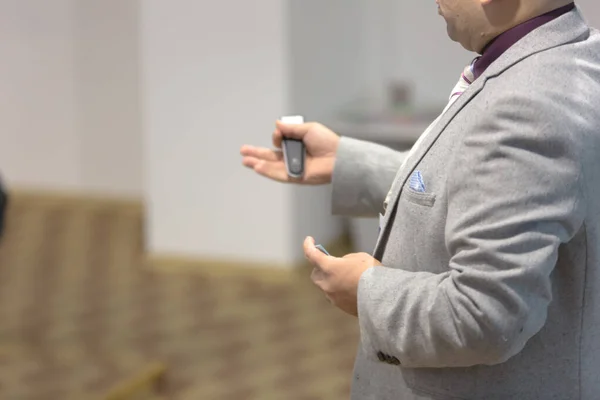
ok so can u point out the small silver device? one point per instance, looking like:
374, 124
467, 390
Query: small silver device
322, 249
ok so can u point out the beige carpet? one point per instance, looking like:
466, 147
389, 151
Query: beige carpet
80, 314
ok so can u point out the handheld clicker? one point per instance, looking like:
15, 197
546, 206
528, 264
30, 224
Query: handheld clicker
294, 152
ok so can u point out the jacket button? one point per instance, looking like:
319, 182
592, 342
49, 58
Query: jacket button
381, 356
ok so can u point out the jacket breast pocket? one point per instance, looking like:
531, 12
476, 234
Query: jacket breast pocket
419, 198
419, 233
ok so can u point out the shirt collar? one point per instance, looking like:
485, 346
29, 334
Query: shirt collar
505, 40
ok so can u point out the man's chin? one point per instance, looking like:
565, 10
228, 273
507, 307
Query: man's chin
451, 33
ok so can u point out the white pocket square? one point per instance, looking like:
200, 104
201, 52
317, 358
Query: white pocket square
416, 182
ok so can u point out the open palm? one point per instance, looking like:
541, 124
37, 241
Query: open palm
321, 146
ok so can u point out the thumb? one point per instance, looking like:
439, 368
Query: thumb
314, 255
293, 131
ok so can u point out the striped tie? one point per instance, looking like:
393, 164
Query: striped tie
466, 78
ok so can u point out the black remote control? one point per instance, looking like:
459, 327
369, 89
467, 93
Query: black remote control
294, 151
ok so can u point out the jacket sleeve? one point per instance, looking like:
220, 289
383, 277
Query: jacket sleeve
515, 194
362, 177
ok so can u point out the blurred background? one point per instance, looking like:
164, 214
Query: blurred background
139, 259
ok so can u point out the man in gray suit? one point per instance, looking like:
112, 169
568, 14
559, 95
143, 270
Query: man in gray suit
485, 280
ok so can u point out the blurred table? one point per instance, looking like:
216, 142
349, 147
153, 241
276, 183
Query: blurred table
396, 135
397, 129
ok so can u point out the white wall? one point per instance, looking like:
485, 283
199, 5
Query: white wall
69, 95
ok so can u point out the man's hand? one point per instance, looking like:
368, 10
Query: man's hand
338, 277
321, 146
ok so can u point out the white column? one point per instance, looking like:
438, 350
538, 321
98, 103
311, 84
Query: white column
108, 117
214, 77
328, 72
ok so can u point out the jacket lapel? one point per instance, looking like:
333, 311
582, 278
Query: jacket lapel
564, 29
412, 161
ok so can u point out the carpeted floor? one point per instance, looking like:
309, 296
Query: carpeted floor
79, 313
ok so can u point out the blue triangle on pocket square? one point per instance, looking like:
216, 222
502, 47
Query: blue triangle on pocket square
416, 182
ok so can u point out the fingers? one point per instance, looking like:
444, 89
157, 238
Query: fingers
320, 274
269, 169
261, 153
267, 162
314, 255
250, 162
293, 131
318, 277
264, 161
273, 170
277, 138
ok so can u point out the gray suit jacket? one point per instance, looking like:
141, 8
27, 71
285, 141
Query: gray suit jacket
490, 287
